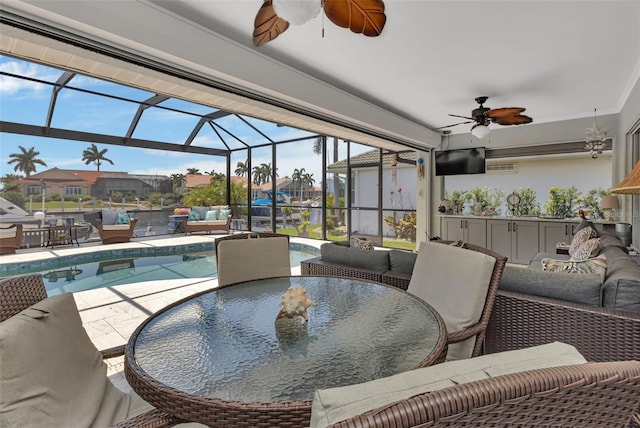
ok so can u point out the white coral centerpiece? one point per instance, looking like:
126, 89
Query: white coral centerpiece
295, 302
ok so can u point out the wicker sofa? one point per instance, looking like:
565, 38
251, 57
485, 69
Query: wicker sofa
221, 221
525, 317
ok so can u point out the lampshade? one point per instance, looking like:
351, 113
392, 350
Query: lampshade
631, 183
609, 202
480, 131
297, 12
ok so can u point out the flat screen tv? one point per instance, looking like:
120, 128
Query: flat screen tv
460, 161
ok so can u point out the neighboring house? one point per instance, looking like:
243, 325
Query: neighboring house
399, 186
70, 183
64, 182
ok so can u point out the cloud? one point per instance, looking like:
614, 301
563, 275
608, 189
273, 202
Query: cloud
12, 86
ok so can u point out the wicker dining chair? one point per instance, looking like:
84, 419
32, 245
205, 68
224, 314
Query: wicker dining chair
443, 279
576, 396
18, 294
248, 256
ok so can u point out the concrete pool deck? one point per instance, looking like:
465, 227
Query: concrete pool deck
111, 314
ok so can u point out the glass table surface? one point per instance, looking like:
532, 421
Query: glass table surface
224, 343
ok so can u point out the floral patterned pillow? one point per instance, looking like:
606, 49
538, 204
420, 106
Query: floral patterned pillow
582, 236
589, 249
361, 244
596, 265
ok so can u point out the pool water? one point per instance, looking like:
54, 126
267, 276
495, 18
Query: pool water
73, 277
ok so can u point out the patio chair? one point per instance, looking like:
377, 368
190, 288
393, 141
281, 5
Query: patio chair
460, 280
571, 396
10, 238
50, 371
248, 256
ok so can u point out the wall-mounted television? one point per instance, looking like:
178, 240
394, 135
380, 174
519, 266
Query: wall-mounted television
461, 161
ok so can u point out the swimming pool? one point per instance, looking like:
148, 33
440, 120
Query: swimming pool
110, 268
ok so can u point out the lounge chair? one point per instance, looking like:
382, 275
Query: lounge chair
10, 238
247, 256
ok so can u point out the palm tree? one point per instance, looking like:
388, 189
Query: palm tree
26, 161
194, 171
177, 180
308, 180
258, 175
242, 169
93, 155
297, 178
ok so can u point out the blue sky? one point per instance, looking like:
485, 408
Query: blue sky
28, 101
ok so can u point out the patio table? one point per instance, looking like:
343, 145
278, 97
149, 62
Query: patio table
217, 357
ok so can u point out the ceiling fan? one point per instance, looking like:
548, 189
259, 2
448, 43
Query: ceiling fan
483, 116
360, 16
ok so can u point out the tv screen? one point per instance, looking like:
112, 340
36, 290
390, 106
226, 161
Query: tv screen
460, 161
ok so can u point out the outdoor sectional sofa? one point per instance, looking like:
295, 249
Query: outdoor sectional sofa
532, 307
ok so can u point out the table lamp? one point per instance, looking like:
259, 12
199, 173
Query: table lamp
609, 203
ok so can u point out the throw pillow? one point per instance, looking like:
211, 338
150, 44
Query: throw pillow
583, 224
361, 244
211, 215
109, 217
123, 218
193, 216
224, 213
589, 249
597, 265
580, 238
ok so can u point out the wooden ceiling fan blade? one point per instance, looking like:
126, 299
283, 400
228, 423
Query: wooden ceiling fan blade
495, 113
519, 119
456, 124
267, 25
360, 16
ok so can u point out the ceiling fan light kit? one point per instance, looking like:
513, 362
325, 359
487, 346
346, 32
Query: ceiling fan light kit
297, 12
480, 131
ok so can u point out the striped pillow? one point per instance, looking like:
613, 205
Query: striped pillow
582, 236
597, 265
589, 249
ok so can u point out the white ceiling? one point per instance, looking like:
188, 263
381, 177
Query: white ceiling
558, 59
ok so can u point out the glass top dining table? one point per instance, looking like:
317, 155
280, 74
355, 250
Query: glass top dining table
220, 358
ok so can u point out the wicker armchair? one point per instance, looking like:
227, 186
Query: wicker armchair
267, 252
585, 395
10, 240
479, 328
19, 293
112, 234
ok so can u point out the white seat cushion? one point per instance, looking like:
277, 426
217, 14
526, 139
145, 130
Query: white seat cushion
455, 282
248, 259
116, 227
51, 374
337, 404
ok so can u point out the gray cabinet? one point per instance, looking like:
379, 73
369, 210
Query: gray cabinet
472, 230
552, 232
516, 239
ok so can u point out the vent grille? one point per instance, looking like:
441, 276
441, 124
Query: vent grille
502, 168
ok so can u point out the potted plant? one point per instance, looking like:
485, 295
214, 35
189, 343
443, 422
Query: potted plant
305, 215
